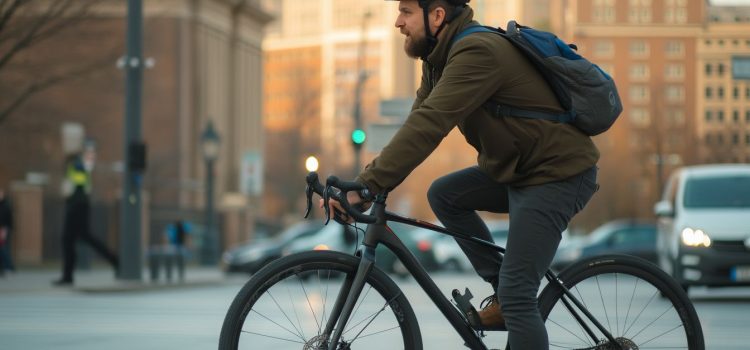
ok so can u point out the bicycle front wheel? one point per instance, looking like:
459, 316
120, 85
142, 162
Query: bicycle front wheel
640, 305
288, 303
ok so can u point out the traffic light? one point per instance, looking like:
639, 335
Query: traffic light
358, 137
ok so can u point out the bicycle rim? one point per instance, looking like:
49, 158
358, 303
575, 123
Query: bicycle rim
632, 301
290, 309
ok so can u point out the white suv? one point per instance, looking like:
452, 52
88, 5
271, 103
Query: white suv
704, 225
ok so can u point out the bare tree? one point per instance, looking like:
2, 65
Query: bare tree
26, 25
299, 137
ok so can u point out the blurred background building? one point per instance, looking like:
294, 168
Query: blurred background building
279, 79
205, 64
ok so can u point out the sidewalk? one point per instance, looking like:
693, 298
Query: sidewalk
102, 280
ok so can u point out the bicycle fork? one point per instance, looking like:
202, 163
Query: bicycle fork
347, 298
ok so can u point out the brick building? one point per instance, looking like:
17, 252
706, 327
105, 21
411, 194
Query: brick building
207, 58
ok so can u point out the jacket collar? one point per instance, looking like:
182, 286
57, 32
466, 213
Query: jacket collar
439, 55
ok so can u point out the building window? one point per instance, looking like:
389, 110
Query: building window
709, 92
604, 48
640, 117
639, 93
676, 11
720, 69
747, 116
674, 48
676, 117
736, 92
708, 69
720, 92
747, 139
604, 11
675, 140
709, 116
720, 139
640, 11
674, 71
735, 139
736, 116
675, 93
709, 139
639, 72
720, 116
747, 92
639, 48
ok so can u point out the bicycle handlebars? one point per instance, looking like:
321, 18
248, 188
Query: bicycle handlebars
336, 189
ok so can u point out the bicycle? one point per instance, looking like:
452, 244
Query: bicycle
651, 310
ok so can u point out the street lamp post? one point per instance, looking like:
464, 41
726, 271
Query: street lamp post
210, 141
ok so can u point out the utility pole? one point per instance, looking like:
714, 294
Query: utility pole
358, 134
135, 152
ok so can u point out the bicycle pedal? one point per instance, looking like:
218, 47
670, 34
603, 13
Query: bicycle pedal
464, 305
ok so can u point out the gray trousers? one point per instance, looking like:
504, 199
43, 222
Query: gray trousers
538, 215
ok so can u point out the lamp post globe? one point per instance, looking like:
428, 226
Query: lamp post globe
311, 163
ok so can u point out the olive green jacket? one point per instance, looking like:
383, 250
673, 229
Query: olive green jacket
456, 81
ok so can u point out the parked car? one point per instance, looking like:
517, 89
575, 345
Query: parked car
252, 256
344, 239
624, 236
569, 250
449, 255
419, 241
704, 225
329, 237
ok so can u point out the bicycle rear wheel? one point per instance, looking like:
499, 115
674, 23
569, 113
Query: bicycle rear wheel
287, 304
640, 305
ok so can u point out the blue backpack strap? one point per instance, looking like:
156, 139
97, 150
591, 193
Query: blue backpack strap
507, 111
472, 30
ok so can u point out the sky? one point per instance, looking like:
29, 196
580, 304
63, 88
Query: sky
730, 2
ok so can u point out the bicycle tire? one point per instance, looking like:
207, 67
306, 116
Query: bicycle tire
307, 265
589, 276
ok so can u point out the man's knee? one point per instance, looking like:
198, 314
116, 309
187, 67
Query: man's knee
436, 194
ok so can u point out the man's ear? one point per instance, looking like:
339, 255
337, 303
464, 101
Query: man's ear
437, 17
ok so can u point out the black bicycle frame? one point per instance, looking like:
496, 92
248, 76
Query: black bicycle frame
379, 233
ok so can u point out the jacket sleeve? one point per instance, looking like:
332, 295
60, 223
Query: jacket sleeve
469, 79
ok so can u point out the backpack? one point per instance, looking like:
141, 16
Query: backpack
587, 94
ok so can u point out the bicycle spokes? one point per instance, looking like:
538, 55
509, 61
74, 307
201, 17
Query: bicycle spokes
296, 310
631, 309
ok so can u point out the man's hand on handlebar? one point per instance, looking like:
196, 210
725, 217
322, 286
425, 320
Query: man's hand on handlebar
338, 213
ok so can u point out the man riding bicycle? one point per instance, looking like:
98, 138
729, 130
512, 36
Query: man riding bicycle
540, 172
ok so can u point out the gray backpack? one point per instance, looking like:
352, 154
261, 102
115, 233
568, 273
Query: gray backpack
584, 90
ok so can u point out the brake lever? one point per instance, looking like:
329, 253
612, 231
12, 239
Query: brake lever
326, 197
309, 193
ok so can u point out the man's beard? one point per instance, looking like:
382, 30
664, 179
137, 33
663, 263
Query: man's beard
417, 48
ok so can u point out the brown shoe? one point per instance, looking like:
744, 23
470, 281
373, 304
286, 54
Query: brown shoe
490, 315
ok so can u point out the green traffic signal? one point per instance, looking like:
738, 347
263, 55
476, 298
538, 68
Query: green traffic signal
358, 136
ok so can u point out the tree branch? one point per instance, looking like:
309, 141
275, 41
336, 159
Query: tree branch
54, 80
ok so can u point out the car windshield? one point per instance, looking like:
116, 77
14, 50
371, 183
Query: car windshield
718, 192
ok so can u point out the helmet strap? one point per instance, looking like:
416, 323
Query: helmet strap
432, 40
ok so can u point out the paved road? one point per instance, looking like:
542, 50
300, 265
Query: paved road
190, 318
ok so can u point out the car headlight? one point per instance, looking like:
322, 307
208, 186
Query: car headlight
695, 238
249, 255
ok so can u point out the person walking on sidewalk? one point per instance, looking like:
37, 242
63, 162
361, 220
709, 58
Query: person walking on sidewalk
76, 225
6, 225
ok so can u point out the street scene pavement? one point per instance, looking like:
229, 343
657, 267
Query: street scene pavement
100, 312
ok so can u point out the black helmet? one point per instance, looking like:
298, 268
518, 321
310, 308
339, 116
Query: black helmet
452, 2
